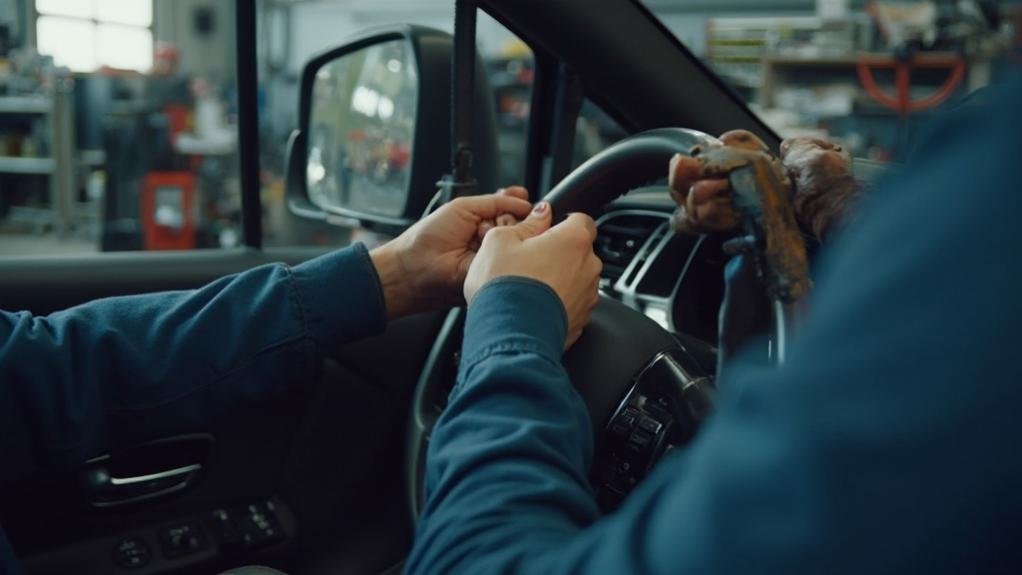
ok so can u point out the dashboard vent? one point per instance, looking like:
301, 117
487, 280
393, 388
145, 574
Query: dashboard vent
619, 238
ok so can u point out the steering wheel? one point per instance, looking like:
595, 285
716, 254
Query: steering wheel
645, 391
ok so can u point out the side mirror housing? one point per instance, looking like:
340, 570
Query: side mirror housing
374, 129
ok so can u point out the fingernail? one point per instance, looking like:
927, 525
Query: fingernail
540, 208
500, 190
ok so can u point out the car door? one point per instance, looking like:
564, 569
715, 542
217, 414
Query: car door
309, 480
326, 456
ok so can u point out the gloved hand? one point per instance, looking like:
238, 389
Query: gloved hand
825, 187
424, 268
820, 172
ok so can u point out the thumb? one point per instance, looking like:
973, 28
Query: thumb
536, 223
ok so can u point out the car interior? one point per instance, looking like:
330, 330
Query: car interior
328, 477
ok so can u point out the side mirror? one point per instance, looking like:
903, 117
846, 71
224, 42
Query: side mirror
374, 134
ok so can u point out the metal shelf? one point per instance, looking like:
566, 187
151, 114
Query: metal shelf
25, 105
15, 165
61, 166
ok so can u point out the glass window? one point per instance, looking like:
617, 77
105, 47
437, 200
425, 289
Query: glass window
63, 39
124, 47
510, 67
810, 68
72, 8
78, 33
130, 12
291, 32
595, 130
118, 130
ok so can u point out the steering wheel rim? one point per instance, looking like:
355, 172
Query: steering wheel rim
626, 165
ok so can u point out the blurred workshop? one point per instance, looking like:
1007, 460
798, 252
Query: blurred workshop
118, 125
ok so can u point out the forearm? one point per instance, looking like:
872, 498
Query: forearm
507, 466
81, 381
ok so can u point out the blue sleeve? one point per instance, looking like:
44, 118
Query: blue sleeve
121, 370
888, 443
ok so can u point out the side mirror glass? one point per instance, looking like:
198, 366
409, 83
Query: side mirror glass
374, 129
361, 127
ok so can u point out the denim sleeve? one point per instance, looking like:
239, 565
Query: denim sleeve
888, 443
121, 370
507, 461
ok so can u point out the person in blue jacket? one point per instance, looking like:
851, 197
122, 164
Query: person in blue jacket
889, 442
118, 371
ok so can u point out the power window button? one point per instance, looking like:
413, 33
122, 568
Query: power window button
131, 553
181, 540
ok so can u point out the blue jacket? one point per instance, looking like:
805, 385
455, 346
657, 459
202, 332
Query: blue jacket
124, 370
890, 443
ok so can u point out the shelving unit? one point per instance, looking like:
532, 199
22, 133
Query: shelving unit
25, 105
793, 70
736, 48
803, 75
59, 166
21, 165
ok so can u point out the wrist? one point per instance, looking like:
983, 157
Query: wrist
515, 312
821, 203
394, 280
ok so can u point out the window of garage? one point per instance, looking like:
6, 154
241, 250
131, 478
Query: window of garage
118, 126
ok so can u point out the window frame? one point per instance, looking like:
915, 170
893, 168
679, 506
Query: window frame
247, 79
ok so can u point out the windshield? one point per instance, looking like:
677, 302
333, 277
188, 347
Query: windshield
829, 68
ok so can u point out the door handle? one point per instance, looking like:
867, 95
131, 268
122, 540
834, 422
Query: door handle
158, 476
103, 489
148, 471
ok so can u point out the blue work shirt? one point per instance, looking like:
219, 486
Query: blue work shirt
119, 371
891, 442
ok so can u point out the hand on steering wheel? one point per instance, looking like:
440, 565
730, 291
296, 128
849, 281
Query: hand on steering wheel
561, 257
424, 268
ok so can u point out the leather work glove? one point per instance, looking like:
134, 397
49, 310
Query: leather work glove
819, 171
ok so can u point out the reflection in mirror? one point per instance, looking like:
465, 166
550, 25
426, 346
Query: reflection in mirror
361, 125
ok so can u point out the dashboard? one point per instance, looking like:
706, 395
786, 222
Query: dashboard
674, 279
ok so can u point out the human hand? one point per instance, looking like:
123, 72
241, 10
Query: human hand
824, 185
504, 219
819, 171
562, 257
424, 268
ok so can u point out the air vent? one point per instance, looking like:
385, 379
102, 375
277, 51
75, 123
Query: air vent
620, 237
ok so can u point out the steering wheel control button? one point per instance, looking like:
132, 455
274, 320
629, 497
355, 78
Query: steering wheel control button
629, 416
246, 527
650, 425
132, 553
655, 417
181, 540
640, 440
622, 425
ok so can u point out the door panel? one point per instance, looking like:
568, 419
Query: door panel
328, 455
45, 284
